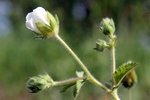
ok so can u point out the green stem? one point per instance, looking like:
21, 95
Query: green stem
113, 59
113, 56
90, 77
114, 92
112, 42
115, 95
68, 81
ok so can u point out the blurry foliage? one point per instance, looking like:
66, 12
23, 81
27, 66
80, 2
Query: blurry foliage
131, 13
23, 56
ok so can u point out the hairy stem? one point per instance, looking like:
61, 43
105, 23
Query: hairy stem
113, 66
113, 56
90, 77
68, 81
113, 60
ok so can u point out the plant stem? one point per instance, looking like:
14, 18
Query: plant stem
113, 56
90, 77
113, 59
68, 81
112, 42
115, 94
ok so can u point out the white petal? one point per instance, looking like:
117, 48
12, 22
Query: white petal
30, 23
40, 10
40, 14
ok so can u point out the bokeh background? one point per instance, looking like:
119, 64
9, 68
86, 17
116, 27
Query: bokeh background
23, 56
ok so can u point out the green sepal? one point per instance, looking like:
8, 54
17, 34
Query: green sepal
57, 20
53, 21
44, 29
122, 71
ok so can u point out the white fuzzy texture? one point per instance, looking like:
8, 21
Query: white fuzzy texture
37, 15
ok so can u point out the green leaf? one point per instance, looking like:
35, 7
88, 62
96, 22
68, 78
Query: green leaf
122, 71
79, 84
66, 87
77, 88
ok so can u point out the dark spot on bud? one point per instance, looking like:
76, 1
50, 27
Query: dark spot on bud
106, 32
33, 86
34, 89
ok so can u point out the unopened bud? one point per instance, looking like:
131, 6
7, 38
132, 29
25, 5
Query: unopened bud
130, 79
40, 82
101, 45
107, 26
42, 22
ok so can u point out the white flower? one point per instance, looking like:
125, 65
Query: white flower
42, 22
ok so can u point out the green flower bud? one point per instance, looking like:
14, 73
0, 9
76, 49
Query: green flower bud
101, 45
107, 26
40, 82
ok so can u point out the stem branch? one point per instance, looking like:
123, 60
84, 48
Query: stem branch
90, 77
115, 95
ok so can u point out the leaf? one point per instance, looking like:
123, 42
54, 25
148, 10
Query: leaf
78, 84
66, 87
122, 71
77, 88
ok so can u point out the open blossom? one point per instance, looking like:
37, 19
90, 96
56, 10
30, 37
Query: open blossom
43, 23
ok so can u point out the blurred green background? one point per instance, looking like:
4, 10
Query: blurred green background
23, 56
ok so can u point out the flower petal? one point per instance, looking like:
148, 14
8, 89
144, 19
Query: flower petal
40, 15
30, 23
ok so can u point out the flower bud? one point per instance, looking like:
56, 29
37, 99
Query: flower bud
130, 79
107, 26
101, 45
43, 23
40, 82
